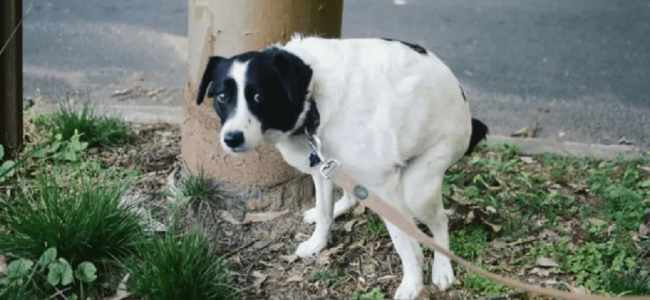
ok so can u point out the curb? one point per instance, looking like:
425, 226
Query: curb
533, 146
527, 146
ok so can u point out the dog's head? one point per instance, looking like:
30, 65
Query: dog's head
259, 96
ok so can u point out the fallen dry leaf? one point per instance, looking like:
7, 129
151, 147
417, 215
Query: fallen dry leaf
254, 217
546, 262
359, 210
3, 265
581, 290
259, 279
324, 256
596, 222
276, 246
527, 160
643, 231
550, 234
121, 292
527, 132
540, 272
624, 141
289, 258
349, 225
294, 278
495, 228
491, 210
645, 168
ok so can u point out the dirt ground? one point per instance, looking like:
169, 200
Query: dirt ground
259, 250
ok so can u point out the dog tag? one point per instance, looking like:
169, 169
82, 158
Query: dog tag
314, 159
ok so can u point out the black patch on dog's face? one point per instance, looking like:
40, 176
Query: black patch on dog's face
279, 78
414, 47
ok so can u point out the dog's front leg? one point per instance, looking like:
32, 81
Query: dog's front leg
324, 218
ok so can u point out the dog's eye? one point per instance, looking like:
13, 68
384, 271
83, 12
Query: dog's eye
221, 97
258, 98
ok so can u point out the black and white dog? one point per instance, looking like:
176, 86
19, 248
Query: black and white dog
392, 113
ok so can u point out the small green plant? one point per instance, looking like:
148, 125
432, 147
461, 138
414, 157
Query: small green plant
173, 267
329, 278
200, 187
469, 242
7, 167
58, 275
483, 286
375, 294
63, 150
592, 261
375, 228
95, 130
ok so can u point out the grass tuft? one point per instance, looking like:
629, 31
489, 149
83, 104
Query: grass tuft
97, 131
173, 267
82, 218
200, 187
627, 283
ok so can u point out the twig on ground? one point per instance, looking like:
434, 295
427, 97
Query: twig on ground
505, 296
262, 251
237, 250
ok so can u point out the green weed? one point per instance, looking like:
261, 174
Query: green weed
469, 242
97, 131
375, 228
329, 278
375, 294
179, 267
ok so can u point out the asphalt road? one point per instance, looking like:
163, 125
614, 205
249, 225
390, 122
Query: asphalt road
581, 66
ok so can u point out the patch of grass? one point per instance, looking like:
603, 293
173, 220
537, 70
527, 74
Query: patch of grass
375, 228
480, 285
179, 267
329, 278
81, 216
97, 131
200, 187
627, 283
469, 242
375, 294
15, 291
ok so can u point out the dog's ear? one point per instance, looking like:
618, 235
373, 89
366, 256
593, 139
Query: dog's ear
295, 75
207, 78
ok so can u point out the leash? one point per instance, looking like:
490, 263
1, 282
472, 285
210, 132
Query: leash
331, 170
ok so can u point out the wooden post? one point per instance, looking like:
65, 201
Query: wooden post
226, 28
11, 76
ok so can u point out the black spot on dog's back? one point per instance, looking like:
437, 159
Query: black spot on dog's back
414, 47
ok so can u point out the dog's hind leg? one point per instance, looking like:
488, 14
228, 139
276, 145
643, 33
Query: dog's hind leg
410, 254
422, 183
343, 205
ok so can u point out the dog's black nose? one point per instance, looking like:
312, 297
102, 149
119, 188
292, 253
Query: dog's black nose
234, 139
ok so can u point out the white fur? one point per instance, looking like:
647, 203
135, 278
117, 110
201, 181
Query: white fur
396, 121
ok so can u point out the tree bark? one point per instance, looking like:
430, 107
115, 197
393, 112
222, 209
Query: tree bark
226, 28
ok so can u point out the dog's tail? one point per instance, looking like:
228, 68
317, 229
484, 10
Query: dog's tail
479, 133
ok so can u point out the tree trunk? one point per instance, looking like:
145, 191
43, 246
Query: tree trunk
226, 28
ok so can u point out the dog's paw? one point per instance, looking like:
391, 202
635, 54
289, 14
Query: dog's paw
409, 289
443, 274
310, 216
311, 248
